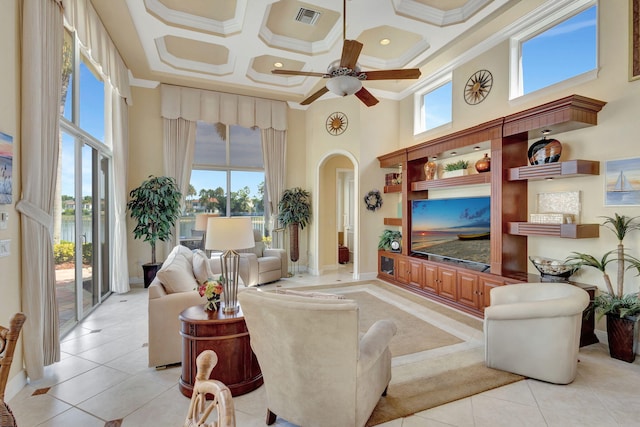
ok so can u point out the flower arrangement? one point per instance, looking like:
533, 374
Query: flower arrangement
211, 289
267, 241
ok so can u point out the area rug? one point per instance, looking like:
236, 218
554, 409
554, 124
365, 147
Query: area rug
438, 353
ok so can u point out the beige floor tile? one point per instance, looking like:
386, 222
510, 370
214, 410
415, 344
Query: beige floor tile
458, 413
518, 392
35, 410
67, 368
122, 399
73, 418
87, 385
171, 407
490, 412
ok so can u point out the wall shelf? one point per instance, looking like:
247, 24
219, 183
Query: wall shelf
567, 231
567, 169
473, 179
393, 221
393, 188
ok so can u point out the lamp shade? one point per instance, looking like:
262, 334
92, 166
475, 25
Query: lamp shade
344, 85
224, 233
202, 220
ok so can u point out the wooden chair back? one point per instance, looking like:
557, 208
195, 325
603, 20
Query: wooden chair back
204, 388
8, 340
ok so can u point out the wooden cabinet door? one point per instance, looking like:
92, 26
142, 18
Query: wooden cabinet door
403, 272
447, 283
415, 273
430, 277
468, 293
485, 286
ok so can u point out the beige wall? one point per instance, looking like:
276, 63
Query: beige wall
10, 301
145, 158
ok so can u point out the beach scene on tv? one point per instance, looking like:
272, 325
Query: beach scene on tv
457, 228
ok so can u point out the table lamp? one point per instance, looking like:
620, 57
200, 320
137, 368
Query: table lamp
228, 234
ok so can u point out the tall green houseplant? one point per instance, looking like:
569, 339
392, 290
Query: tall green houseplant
295, 210
621, 310
155, 205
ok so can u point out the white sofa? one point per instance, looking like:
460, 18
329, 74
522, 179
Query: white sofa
533, 329
173, 290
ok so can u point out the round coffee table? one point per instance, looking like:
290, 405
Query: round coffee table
227, 335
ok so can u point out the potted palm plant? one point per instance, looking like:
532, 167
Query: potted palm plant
155, 205
621, 309
294, 210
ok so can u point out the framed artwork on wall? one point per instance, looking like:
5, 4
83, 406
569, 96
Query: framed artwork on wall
634, 39
6, 166
622, 182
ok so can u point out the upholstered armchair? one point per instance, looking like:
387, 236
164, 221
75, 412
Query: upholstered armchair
317, 369
533, 329
259, 265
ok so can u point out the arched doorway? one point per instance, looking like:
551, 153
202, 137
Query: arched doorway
336, 211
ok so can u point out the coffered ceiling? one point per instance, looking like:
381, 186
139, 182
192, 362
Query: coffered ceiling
232, 45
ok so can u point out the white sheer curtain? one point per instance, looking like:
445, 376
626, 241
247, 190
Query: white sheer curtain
179, 141
274, 152
42, 31
120, 146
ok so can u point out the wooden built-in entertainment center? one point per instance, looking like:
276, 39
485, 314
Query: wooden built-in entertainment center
507, 139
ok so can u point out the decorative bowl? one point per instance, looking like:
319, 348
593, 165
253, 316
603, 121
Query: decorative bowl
552, 268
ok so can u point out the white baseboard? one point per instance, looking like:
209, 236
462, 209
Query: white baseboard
14, 385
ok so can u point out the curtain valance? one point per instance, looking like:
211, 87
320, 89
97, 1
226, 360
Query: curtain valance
82, 17
218, 107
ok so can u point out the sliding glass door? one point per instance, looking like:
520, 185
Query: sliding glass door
81, 232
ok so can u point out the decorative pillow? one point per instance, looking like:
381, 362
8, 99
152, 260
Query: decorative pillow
310, 294
176, 273
201, 267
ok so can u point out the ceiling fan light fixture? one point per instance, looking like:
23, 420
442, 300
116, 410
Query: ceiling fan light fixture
344, 85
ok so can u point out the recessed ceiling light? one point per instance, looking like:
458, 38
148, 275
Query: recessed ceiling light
453, 153
476, 148
385, 42
278, 64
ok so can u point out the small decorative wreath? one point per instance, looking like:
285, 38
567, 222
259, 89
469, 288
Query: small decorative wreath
373, 200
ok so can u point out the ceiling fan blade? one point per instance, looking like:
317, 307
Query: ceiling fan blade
315, 96
409, 73
366, 97
350, 53
297, 73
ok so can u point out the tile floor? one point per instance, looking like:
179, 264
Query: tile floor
103, 380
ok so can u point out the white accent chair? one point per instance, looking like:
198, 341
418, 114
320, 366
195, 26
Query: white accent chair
259, 265
317, 370
533, 329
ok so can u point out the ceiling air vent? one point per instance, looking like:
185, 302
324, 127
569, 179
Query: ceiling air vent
307, 16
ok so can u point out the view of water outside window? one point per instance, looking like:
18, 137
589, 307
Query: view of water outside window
227, 177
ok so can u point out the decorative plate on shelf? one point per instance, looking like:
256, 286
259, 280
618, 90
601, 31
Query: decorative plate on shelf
478, 87
336, 123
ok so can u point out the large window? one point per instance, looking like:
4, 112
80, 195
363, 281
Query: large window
555, 50
434, 106
227, 176
82, 209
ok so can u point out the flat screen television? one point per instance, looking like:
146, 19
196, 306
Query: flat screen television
453, 229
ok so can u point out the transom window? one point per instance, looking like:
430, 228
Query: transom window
557, 49
433, 105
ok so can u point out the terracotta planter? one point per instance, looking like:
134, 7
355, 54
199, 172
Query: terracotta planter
623, 337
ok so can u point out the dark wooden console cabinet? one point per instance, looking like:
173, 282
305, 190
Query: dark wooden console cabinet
507, 139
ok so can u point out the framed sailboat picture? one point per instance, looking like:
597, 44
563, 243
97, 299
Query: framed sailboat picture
622, 182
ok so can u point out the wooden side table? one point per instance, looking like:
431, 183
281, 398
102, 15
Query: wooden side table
227, 335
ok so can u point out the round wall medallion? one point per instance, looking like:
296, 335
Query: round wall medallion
336, 123
478, 87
